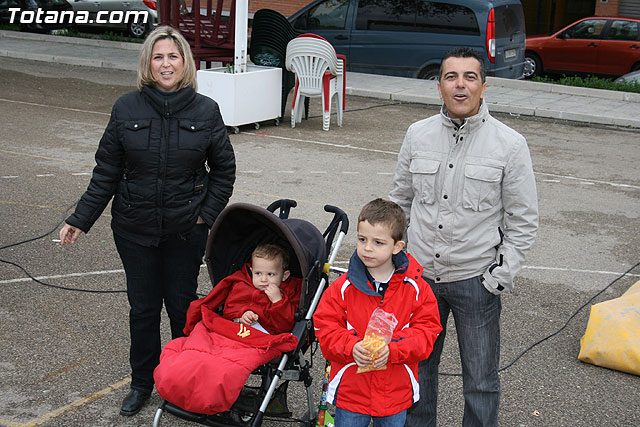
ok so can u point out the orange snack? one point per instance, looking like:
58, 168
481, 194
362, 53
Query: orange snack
374, 343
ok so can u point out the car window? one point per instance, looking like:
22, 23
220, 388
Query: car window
435, 17
509, 20
589, 29
330, 14
623, 30
386, 15
421, 16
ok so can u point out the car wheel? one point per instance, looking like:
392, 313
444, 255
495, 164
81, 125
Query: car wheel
431, 73
138, 30
532, 65
635, 67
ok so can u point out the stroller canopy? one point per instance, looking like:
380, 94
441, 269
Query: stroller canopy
241, 227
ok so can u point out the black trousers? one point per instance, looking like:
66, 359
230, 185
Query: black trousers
156, 275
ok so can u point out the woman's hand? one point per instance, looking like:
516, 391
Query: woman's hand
69, 234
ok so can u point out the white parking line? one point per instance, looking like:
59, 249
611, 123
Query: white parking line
395, 153
102, 272
33, 104
576, 270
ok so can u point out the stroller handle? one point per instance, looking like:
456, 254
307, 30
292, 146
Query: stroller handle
338, 216
285, 206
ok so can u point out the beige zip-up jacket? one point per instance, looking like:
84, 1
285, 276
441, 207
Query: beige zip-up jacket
458, 186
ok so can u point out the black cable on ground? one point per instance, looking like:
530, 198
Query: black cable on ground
64, 216
559, 330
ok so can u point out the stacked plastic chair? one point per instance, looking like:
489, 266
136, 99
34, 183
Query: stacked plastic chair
319, 73
270, 33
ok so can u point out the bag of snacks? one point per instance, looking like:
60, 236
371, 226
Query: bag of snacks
378, 334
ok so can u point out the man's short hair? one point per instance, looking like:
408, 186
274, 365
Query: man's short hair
385, 212
464, 52
272, 251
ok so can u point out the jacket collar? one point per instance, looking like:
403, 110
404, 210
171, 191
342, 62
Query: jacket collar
358, 274
168, 103
470, 123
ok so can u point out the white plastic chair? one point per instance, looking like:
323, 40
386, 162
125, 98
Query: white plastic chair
319, 73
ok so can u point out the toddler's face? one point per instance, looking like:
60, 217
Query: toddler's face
267, 272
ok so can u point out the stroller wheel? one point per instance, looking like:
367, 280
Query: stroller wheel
308, 420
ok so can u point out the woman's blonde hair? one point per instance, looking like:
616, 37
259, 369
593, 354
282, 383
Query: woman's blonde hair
145, 77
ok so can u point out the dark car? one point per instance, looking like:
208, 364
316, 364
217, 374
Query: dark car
409, 38
42, 15
597, 45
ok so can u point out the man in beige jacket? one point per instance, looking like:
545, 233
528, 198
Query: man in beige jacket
466, 184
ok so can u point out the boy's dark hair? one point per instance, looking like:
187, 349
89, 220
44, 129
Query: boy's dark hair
272, 251
386, 212
464, 52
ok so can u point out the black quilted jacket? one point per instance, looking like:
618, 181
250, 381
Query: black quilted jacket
165, 159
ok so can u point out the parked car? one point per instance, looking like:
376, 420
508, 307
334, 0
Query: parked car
629, 77
409, 38
47, 6
598, 45
134, 27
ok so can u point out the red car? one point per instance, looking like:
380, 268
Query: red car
596, 45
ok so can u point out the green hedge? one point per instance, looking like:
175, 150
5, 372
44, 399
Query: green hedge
592, 82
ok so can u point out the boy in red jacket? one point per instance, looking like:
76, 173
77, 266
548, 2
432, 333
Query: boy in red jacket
380, 275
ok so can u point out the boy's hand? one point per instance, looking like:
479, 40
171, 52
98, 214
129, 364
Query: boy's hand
273, 292
361, 355
383, 357
249, 318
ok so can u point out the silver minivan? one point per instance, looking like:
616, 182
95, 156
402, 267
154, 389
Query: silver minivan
409, 37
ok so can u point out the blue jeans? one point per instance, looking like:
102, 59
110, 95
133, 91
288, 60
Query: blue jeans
476, 313
167, 273
346, 418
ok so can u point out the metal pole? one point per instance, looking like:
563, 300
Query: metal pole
240, 45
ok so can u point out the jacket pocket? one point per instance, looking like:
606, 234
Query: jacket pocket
423, 174
481, 186
136, 134
193, 135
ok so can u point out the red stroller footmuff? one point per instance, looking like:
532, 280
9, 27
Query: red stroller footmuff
206, 371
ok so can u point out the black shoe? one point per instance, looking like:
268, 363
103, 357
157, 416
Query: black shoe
134, 401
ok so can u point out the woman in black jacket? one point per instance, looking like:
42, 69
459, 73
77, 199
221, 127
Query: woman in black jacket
166, 160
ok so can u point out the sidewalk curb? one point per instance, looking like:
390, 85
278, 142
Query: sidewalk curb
71, 40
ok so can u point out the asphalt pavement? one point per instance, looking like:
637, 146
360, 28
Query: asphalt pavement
503, 95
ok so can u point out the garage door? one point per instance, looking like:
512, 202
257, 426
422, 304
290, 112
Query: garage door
629, 8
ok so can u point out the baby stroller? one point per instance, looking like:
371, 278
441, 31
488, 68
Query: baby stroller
237, 231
